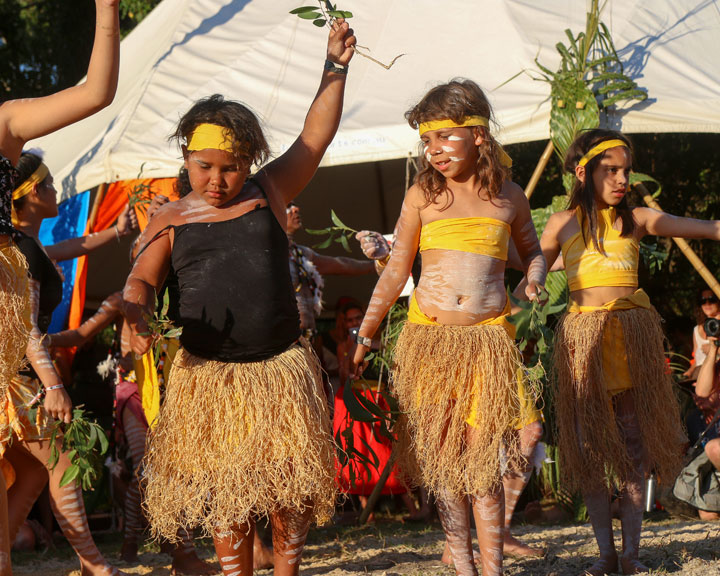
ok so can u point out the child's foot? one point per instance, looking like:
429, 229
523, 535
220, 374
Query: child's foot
191, 564
100, 570
633, 566
447, 557
129, 551
262, 557
608, 565
514, 548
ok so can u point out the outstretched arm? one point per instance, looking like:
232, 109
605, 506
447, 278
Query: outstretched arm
339, 265
110, 308
658, 223
285, 177
23, 120
74, 247
396, 272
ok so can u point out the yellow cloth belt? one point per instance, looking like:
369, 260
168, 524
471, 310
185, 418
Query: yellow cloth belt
478, 235
614, 356
587, 268
417, 316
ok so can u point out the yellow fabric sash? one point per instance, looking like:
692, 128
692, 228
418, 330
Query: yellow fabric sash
599, 149
148, 386
468, 121
614, 356
478, 235
211, 136
417, 316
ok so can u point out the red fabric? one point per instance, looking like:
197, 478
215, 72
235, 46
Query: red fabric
381, 446
127, 397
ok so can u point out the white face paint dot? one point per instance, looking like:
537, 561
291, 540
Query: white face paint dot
455, 138
456, 159
448, 149
428, 157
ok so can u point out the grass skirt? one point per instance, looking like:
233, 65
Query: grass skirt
450, 380
592, 450
239, 440
14, 323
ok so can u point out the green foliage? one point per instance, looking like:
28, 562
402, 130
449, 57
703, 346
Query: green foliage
339, 233
321, 15
139, 196
133, 11
159, 325
85, 442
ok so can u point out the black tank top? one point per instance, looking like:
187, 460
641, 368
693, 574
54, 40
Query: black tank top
236, 300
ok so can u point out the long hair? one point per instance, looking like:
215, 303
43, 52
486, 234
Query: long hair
248, 139
582, 195
26, 166
456, 100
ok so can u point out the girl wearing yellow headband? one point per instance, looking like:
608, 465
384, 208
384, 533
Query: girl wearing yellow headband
457, 368
21, 121
244, 430
617, 416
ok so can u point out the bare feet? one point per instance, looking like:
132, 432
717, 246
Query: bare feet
129, 551
633, 566
447, 557
188, 562
603, 566
262, 556
514, 548
103, 570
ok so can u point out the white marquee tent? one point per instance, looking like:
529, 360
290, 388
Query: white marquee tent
256, 52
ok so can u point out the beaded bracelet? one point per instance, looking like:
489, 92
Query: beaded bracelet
56, 387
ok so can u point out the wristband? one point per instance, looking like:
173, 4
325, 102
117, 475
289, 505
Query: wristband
364, 340
331, 66
56, 387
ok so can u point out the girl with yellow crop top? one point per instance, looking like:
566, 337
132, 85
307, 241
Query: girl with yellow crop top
456, 363
617, 416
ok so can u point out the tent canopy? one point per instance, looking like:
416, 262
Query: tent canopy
256, 52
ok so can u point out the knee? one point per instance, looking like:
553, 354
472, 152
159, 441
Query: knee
712, 449
530, 436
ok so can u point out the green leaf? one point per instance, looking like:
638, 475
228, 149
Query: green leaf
356, 410
304, 9
337, 220
316, 232
324, 244
344, 242
70, 475
320, 22
340, 14
310, 15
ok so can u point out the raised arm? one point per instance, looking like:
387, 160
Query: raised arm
74, 247
110, 309
23, 120
285, 177
147, 277
658, 223
708, 373
528, 247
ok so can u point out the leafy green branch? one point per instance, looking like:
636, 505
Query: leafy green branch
325, 14
139, 196
160, 325
85, 442
339, 233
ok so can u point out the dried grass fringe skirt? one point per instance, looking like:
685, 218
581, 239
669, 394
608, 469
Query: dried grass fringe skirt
235, 441
592, 451
448, 380
14, 323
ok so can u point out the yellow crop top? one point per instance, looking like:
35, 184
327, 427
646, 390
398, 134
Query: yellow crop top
477, 234
588, 268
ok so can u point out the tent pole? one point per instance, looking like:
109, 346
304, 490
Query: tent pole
99, 196
535, 178
683, 245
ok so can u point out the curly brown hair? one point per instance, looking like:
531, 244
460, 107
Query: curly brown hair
456, 100
248, 143
582, 194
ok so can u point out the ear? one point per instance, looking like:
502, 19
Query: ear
580, 173
479, 135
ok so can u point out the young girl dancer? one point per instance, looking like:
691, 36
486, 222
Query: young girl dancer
20, 121
456, 373
617, 416
244, 429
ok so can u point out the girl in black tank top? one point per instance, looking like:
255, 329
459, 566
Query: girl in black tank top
244, 429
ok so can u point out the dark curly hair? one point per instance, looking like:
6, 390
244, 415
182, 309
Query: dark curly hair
582, 194
456, 100
248, 143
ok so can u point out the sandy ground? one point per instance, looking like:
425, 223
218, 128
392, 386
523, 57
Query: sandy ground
390, 547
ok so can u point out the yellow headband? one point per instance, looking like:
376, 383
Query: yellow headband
211, 136
505, 160
467, 121
599, 149
35, 178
